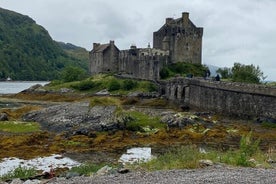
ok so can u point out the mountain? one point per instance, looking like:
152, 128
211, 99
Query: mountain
27, 52
75, 51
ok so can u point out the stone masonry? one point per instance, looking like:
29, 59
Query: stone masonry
178, 40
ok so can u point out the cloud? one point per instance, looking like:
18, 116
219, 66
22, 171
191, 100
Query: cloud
234, 31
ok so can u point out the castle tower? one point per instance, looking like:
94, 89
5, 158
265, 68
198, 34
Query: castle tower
182, 38
104, 58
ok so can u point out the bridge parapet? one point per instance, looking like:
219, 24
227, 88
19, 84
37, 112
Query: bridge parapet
227, 97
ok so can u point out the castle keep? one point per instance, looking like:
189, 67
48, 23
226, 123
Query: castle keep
178, 40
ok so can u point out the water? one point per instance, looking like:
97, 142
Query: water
136, 155
12, 87
40, 163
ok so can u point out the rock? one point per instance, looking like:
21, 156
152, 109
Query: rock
32, 182
253, 161
103, 92
266, 119
103, 171
33, 88
270, 161
77, 118
66, 90
72, 174
16, 181
4, 117
135, 94
177, 120
123, 170
206, 163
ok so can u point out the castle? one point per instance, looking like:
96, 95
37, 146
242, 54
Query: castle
178, 40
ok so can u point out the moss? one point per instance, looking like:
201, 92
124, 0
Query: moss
139, 121
19, 127
104, 101
15, 114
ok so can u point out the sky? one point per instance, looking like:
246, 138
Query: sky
241, 31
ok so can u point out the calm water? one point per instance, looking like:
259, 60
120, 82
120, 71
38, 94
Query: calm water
11, 87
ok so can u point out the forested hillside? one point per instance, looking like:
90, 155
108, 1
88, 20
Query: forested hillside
27, 52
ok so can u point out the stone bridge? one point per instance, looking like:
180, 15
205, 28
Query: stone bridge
239, 99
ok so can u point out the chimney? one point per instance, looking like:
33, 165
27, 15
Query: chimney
185, 18
95, 45
169, 20
111, 42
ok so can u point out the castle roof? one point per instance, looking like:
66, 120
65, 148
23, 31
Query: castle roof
101, 48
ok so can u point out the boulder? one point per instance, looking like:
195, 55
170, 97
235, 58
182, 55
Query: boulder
103, 171
33, 88
78, 118
206, 163
4, 116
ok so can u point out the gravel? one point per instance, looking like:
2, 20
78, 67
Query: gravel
207, 175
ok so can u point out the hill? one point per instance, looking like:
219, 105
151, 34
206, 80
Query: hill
75, 51
28, 52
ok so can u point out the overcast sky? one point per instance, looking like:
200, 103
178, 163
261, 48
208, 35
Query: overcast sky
234, 30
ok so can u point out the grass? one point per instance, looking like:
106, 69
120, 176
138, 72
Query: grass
141, 122
87, 169
104, 101
19, 127
268, 125
187, 157
20, 172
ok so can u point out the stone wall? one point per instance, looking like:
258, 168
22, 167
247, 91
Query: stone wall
237, 99
104, 58
142, 63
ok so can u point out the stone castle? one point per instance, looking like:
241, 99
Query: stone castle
178, 40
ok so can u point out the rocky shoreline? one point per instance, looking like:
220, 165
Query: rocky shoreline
77, 127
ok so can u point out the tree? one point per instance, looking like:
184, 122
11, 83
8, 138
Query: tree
247, 73
72, 73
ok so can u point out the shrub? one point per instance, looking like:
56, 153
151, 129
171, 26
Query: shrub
129, 84
247, 146
164, 73
84, 85
114, 85
71, 73
20, 172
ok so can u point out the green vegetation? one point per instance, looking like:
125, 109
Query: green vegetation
225, 72
28, 52
18, 127
138, 121
87, 169
102, 82
187, 157
269, 125
271, 84
182, 69
71, 73
104, 101
20, 172
247, 73
242, 73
